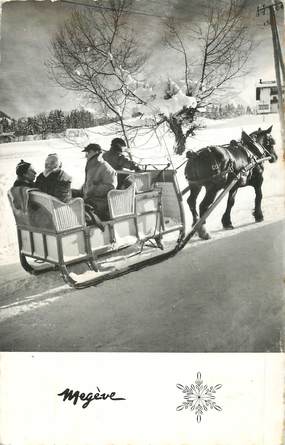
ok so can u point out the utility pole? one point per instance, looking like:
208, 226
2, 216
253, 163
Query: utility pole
278, 60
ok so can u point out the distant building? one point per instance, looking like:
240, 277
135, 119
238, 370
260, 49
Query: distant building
6, 137
267, 97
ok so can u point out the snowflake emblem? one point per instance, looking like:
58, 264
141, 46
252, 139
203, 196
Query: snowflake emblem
199, 397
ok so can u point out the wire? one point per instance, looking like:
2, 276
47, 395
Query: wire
143, 13
160, 16
112, 9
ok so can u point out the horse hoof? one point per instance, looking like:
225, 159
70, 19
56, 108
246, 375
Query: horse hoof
229, 227
204, 236
258, 216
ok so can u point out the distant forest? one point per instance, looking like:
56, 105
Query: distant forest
57, 121
219, 111
54, 122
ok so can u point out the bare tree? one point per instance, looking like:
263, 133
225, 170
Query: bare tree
94, 53
224, 49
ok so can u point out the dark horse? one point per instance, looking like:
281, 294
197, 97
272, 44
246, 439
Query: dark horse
214, 167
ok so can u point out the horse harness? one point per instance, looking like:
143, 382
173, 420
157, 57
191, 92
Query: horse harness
222, 170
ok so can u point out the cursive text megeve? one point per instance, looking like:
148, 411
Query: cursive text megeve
69, 394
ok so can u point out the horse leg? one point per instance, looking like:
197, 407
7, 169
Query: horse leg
226, 219
205, 204
258, 215
192, 200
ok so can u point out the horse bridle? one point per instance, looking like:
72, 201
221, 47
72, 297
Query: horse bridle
268, 140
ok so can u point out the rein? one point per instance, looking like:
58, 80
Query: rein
160, 173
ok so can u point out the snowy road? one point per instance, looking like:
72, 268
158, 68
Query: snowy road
218, 296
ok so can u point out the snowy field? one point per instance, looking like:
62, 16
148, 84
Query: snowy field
146, 151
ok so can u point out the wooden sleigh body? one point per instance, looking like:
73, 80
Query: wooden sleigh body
145, 218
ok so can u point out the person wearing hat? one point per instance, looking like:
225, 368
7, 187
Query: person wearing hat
53, 180
117, 160
25, 175
22, 186
100, 178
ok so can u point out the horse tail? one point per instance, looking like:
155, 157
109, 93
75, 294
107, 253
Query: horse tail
192, 169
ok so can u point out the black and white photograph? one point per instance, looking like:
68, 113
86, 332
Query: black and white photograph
142, 222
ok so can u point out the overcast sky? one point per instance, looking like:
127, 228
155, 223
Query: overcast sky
27, 27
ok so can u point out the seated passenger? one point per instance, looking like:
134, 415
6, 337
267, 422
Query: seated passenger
23, 185
53, 180
25, 175
118, 161
100, 178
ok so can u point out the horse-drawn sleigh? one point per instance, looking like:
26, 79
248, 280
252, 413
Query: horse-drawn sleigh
142, 217
147, 221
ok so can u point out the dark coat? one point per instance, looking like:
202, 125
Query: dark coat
57, 184
118, 161
22, 183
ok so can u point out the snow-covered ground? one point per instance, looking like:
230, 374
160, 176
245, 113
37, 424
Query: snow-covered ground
146, 151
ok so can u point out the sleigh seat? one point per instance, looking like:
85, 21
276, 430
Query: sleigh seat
49, 229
